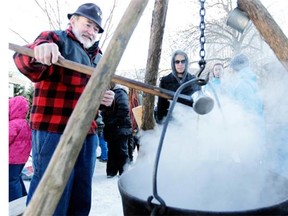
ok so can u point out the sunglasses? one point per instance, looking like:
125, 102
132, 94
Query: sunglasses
178, 61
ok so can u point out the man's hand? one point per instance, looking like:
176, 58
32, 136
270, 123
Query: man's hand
47, 53
108, 98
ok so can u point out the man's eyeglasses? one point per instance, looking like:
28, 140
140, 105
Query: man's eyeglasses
180, 61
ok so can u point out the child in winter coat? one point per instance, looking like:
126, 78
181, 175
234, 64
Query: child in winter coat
20, 143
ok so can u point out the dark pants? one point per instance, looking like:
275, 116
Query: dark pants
16, 185
76, 198
117, 154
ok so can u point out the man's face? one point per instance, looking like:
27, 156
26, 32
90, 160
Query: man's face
85, 30
180, 63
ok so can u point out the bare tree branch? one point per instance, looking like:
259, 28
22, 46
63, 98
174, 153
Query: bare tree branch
19, 35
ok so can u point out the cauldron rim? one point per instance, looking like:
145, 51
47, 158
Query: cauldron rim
125, 194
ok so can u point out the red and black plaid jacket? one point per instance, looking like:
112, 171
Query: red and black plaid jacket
57, 89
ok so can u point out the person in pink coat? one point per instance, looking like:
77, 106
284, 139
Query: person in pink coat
20, 144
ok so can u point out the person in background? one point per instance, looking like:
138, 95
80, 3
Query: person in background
57, 91
245, 86
179, 75
135, 100
217, 73
20, 144
245, 91
216, 87
103, 157
117, 130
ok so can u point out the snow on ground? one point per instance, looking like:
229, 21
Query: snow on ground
106, 199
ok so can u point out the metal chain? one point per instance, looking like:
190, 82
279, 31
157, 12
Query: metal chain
202, 39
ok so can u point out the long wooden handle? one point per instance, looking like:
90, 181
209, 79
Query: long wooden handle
116, 78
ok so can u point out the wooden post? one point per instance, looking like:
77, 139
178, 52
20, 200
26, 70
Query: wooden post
51, 187
268, 28
154, 54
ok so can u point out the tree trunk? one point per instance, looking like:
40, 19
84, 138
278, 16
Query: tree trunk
154, 54
268, 28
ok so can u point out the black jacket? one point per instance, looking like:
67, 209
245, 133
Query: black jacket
171, 83
116, 117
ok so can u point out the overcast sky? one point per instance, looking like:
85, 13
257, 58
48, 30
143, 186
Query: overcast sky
28, 21
36, 22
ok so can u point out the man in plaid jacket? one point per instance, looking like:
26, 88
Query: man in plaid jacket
57, 91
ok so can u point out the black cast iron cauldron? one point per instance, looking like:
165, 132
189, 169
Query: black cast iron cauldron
276, 186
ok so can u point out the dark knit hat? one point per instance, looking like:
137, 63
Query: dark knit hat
239, 62
90, 11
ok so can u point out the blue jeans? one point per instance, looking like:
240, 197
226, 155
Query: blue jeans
103, 146
76, 198
16, 185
